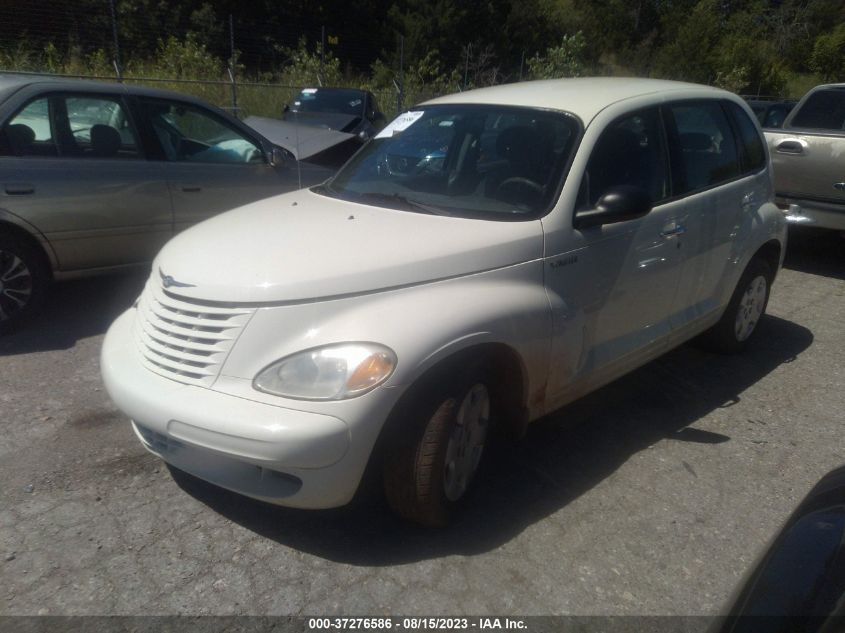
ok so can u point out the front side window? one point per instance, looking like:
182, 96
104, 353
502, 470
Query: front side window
188, 133
630, 152
29, 132
708, 152
492, 162
823, 110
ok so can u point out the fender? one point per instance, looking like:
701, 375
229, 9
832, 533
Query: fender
424, 325
32, 231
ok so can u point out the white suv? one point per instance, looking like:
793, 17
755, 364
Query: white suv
489, 257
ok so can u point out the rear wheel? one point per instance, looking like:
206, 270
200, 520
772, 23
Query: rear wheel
747, 306
432, 462
23, 281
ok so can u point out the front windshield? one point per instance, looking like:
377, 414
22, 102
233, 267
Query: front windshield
493, 162
329, 100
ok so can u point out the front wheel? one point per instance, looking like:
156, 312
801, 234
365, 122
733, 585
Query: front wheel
747, 306
23, 282
432, 462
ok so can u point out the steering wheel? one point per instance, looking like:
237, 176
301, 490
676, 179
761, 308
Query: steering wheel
519, 181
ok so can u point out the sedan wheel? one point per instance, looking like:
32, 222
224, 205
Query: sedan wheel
23, 282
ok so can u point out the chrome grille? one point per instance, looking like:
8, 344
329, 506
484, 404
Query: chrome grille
185, 339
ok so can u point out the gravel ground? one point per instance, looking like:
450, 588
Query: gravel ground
652, 496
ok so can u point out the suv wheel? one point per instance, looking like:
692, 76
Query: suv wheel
431, 464
747, 305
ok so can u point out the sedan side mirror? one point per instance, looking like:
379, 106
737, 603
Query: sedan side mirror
618, 204
280, 157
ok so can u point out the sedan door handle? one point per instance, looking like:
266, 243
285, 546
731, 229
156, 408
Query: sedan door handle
19, 189
839, 185
191, 188
678, 229
790, 147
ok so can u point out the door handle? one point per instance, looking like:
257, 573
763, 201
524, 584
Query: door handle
19, 189
839, 185
790, 147
191, 188
678, 229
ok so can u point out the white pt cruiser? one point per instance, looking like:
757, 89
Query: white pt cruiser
489, 257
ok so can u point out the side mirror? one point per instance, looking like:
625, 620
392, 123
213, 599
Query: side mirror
618, 204
280, 157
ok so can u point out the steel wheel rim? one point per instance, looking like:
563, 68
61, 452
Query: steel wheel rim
466, 442
750, 308
15, 284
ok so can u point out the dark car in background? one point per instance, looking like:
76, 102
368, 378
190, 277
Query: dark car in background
97, 177
771, 113
343, 109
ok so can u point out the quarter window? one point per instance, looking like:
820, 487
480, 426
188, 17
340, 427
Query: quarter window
29, 132
753, 154
629, 152
708, 152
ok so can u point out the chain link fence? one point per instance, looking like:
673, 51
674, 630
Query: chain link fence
94, 47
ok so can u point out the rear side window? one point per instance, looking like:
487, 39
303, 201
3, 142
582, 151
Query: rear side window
823, 110
705, 142
99, 128
751, 145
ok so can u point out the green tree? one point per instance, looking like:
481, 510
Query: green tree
828, 57
567, 59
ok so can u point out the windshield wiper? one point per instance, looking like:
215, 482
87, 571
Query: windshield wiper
410, 205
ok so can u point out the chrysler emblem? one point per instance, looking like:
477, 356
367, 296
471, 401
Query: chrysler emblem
169, 282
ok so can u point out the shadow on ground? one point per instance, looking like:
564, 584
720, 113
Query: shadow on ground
75, 310
816, 251
563, 456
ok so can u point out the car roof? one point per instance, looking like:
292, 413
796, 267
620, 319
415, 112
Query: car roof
10, 83
584, 96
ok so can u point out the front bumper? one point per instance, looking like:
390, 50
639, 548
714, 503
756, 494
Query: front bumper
275, 454
809, 213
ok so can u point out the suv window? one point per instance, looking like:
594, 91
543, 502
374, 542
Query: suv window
708, 152
190, 133
629, 152
29, 132
753, 153
823, 110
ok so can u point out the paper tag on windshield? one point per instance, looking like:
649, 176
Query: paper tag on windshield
399, 124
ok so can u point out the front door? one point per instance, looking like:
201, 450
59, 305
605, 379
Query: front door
612, 287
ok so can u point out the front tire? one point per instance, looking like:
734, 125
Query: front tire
432, 461
23, 281
747, 306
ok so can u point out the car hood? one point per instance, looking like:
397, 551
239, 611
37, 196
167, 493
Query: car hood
303, 246
330, 120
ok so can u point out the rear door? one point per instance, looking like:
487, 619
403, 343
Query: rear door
719, 186
74, 168
212, 166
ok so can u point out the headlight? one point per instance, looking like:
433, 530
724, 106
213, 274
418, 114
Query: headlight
333, 372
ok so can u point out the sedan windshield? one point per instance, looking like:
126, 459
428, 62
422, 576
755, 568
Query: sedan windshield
493, 162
